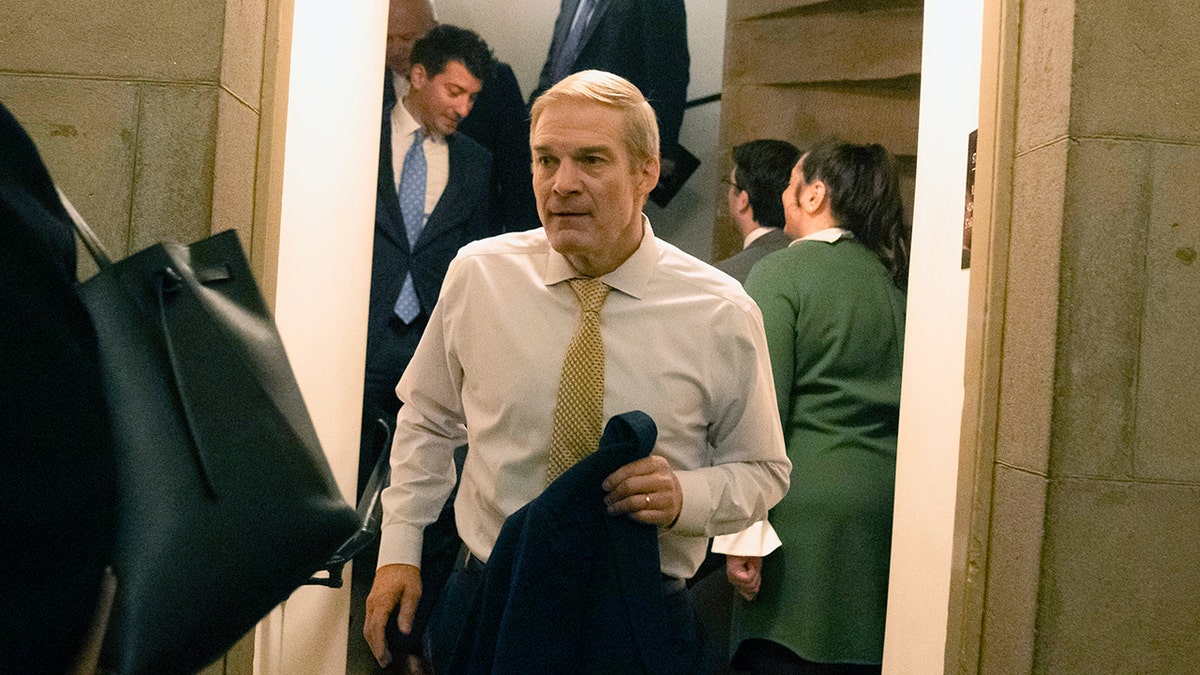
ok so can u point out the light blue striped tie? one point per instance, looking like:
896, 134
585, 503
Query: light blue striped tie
412, 208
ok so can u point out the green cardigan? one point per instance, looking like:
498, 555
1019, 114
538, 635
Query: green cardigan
835, 328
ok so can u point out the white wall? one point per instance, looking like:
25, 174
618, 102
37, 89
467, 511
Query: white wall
327, 220
932, 392
519, 33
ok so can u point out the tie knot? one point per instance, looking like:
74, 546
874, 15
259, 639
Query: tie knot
591, 293
418, 135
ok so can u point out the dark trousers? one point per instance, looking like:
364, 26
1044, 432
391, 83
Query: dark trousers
451, 630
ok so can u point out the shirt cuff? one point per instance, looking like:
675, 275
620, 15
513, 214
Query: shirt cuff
400, 543
757, 540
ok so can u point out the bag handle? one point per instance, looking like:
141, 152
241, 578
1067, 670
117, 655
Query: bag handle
90, 241
167, 282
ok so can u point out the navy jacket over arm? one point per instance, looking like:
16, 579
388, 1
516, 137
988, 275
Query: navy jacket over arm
571, 589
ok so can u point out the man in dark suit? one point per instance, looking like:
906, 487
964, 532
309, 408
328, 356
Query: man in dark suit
499, 120
761, 170
433, 197
643, 41
448, 67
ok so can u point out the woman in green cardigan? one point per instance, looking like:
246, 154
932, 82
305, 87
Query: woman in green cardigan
833, 305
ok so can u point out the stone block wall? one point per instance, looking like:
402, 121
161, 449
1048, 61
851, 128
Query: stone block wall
1093, 541
806, 70
147, 114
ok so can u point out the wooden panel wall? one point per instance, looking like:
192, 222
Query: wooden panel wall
805, 70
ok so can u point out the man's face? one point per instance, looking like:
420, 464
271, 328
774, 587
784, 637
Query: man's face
731, 195
441, 101
408, 21
589, 191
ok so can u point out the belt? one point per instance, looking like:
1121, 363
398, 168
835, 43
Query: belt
470, 562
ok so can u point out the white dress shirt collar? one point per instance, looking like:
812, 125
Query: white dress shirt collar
755, 234
630, 278
827, 235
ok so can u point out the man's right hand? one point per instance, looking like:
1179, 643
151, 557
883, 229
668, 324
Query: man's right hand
394, 585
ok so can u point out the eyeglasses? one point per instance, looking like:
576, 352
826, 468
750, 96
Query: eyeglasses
732, 184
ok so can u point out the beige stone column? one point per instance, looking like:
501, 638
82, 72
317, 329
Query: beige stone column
147, 114
1079, 519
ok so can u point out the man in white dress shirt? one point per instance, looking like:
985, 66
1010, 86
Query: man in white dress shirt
682, 342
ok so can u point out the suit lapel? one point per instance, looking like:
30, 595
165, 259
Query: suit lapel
597, 14
448, 210
563, 24
387, 202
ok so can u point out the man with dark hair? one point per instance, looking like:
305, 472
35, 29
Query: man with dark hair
499, 120
447, 44
432, 198
760, 174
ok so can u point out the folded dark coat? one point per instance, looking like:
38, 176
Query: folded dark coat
572, 589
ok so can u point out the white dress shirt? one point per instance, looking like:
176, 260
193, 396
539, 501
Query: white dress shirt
437, 153
683, 342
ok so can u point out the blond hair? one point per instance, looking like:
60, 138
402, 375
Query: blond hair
597, 86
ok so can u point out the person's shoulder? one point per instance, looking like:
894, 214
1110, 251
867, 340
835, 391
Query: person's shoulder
810, 252
775, 239
813, 265
467, 148
524, 243
502, 72
700, 278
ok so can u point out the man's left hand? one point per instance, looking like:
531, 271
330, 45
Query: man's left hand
647, 490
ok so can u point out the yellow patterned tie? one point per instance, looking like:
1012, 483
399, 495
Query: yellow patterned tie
579, 410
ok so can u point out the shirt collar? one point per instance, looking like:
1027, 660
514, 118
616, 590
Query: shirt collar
827, 235
756, 233
631, 278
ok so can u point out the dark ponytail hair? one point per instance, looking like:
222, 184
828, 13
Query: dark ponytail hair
864, 196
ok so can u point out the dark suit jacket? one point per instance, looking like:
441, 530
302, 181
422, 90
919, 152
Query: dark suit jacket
643, 41
572, 589
460, 216
499, 121
738, 265
58, 484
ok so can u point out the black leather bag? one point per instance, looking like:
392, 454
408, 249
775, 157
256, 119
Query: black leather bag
227, 503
